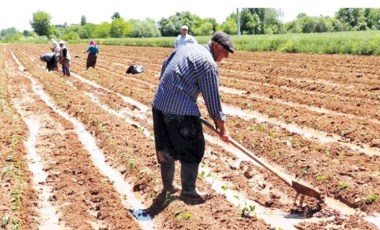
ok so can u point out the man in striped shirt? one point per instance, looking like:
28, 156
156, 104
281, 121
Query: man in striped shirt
189, 71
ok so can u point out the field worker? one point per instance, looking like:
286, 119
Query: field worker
184, 37
178, 132
55, 49
92, 56
64, 58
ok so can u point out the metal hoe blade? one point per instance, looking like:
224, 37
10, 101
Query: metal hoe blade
301, 188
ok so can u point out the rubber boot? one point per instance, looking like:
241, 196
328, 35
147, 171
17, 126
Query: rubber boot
189, 173
167, 176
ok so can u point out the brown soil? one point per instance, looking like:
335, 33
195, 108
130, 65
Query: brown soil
312, 116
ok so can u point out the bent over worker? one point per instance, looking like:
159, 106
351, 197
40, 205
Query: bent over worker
186, 73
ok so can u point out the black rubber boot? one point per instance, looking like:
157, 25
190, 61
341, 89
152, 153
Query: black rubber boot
189, 173
167, 176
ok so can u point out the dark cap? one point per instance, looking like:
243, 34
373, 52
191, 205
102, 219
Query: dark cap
224, 40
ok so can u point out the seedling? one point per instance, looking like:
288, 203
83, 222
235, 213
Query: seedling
342, 185
180, 215
321, 178
371, 198
225, 187
186, 215
168, 198
132, 163
248, 210
341, 155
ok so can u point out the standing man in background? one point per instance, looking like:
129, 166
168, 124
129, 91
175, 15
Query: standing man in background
184, 37
64, 58
186, 73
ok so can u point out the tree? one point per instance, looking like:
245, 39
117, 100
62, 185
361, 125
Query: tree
117, 28
353, 17
41, 23
167, 27
177, 20
115, 15
373, 18
145, 28
83, 20
230, 25
87, 31
102, 30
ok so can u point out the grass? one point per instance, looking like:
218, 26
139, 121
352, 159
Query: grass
352, 42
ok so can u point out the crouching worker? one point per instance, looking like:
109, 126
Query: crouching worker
178, 131
50, 59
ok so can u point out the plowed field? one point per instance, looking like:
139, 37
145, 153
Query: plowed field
78, 152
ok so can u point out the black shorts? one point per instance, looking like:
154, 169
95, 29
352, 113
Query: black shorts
180, 136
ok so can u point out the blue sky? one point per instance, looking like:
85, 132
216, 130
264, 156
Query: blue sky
18, 13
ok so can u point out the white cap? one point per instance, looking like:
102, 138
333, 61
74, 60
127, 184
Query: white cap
184, 27
62, 42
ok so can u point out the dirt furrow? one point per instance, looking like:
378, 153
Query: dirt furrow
78, 189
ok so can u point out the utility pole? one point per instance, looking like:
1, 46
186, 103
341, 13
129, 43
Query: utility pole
238, 21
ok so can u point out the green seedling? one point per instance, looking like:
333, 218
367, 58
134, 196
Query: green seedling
168, 199
180, 215
186, 215
370, 198
321, 178
248, 210
342, 185
225, 187
132, 164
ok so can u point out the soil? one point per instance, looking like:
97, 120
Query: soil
313, 118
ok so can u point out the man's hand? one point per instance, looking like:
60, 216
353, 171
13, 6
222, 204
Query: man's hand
223, 131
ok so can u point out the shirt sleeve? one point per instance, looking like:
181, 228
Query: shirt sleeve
209, 85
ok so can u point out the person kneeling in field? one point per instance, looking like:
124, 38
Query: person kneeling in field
187, 72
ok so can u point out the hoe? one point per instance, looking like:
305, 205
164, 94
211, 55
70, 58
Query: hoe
301, 187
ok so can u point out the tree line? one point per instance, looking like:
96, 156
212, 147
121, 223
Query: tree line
252, 21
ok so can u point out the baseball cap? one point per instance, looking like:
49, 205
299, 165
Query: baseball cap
223, 39
184, 27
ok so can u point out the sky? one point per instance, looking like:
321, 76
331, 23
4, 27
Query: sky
19, 13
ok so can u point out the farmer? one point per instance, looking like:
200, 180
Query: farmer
184, 38
64, 58
55, 49
178, 132
92, 56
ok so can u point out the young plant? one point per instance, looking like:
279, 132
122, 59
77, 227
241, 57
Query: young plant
248, 210
342, 185
370, 198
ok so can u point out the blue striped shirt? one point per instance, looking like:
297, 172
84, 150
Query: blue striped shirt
187, 72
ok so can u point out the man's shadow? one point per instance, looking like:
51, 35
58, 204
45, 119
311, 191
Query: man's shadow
163, 200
